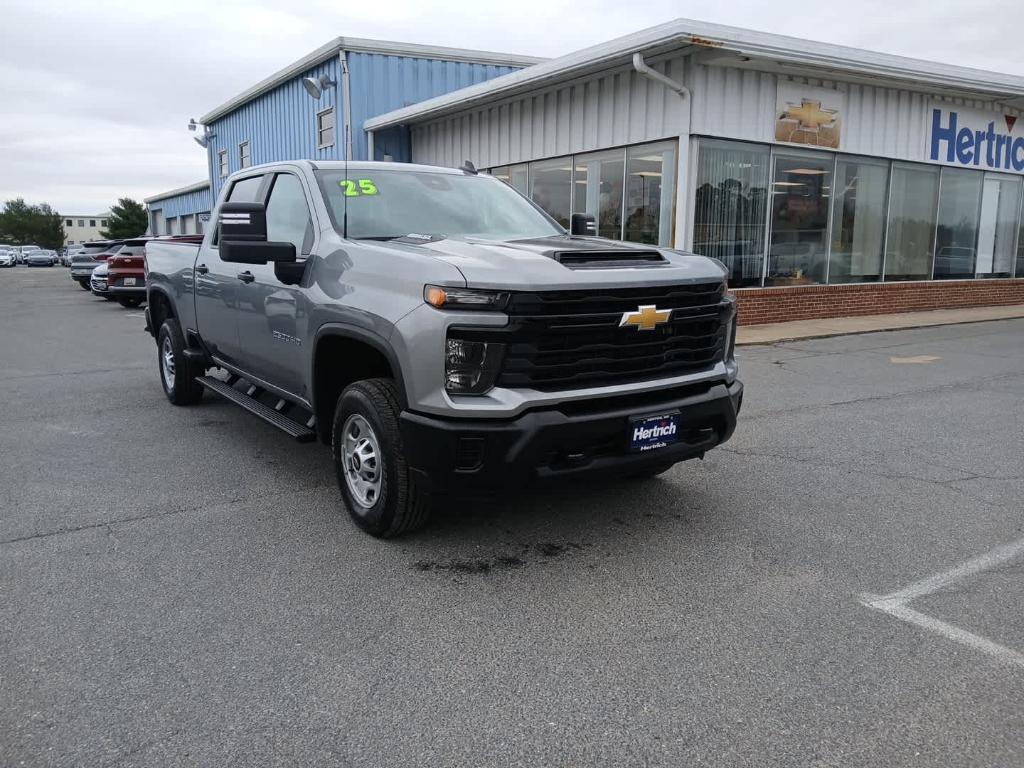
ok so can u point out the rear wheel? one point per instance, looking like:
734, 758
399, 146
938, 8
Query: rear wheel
376, 484
129, 302
178, 381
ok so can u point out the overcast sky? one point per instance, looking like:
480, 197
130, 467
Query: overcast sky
95, 96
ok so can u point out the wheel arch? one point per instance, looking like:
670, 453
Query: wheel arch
342, 354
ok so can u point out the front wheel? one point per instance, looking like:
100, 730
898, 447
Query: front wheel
376, 484
179, 384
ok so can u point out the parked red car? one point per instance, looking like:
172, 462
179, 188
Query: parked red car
126, 278
126, 270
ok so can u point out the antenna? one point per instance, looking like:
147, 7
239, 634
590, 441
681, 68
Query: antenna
344, 215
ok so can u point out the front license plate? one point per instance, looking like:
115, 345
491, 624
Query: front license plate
649, 433
129, 281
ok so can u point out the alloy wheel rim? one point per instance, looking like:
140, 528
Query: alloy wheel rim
361, 459
167, 356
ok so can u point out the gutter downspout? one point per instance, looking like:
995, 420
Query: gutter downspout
682, 161
346, 97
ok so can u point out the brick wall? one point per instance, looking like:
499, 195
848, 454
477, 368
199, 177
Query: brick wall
807, 302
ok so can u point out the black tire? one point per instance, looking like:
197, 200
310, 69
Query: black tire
649, 472
399, 506
183, 389
85, 285
108, 298
129, 302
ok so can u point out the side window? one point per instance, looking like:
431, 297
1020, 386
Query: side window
288, 219
245, 191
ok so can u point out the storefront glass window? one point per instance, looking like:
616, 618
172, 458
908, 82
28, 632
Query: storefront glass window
908, 252
1020, 251
801, 196
514, 175
650, 212
957, 233
598, 190
1000, 199
858, 220
551, 187
730, 207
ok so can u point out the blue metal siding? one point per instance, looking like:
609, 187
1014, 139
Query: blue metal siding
279, 125
380, 83
199, 201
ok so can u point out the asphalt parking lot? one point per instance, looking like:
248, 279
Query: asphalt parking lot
840, 585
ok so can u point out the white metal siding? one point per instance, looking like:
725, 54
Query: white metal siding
621, 107
610, 109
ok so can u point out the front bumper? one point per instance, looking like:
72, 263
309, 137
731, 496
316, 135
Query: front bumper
574, 439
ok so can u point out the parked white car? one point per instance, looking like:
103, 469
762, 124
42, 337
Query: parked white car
8, 258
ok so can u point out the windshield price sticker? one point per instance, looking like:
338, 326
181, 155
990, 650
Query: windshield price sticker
358, 187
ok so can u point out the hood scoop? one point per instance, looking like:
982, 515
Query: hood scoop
608, 259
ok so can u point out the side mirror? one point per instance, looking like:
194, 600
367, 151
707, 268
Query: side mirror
583, 224
242, 236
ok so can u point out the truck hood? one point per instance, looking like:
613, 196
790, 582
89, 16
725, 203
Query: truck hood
564, 262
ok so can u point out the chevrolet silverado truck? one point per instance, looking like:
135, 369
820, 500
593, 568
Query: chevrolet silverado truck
442, 334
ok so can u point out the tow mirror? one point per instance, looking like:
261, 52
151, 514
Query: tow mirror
583, 224
242, 236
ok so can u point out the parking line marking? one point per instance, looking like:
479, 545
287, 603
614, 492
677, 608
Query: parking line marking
895, 604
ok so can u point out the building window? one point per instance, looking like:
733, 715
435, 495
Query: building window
1000, 200
551, 187
81, 222
325, 128
515, 176
957, 233
858, 220
730, 208
67, 222
911, 236
798, 250
244, 155
103, 222
222, 163
92, 222
597, 189
650, 194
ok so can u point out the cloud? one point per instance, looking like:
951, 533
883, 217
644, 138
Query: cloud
95, 97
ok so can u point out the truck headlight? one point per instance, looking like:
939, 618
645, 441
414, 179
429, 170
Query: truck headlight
464, 298
470, 367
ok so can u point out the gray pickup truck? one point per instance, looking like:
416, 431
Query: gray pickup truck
442, 334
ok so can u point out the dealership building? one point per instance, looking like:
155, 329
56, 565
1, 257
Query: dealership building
315, 109
828, 180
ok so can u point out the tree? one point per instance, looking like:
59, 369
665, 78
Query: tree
24, 224
127, 219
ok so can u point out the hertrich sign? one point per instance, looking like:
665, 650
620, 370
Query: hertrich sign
975, 139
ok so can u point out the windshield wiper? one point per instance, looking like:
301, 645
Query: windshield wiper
381, 238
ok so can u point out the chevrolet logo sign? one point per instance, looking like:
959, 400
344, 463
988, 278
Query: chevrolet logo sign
646, 318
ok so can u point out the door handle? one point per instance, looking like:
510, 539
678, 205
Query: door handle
202, 269
245, 277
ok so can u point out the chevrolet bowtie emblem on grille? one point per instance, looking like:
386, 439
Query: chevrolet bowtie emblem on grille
645, 318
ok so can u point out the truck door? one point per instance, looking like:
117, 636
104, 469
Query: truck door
272, 316
217, 284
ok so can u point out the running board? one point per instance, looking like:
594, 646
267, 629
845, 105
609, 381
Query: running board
301, 433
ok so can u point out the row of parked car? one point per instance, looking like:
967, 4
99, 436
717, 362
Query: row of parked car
112, 269
30, 255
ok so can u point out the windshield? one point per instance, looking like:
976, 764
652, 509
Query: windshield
388, 204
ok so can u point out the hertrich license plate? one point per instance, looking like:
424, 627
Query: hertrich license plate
649, 433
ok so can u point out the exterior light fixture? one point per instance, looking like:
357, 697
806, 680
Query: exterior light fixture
315, 86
